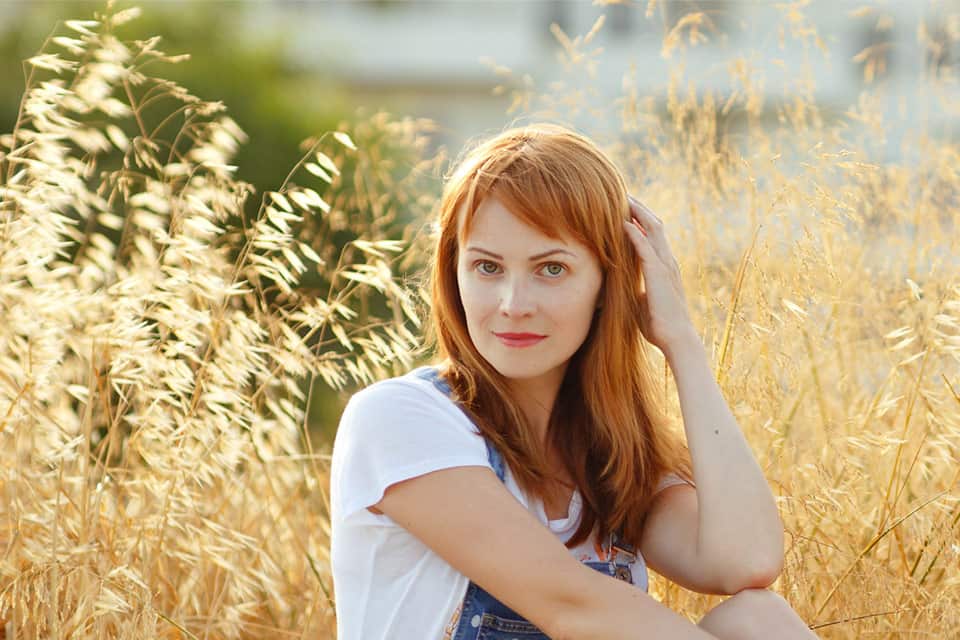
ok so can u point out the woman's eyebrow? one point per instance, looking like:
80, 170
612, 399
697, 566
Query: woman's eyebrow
532, 258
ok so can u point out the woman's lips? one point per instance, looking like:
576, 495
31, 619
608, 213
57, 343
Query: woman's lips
519, 339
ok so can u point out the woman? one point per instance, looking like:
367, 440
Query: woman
520, 488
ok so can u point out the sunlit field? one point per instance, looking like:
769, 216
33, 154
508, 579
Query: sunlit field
158, 349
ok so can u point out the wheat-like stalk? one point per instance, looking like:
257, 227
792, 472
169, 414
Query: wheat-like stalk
826, 283
156, 348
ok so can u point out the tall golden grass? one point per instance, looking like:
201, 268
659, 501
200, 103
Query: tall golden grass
159, 480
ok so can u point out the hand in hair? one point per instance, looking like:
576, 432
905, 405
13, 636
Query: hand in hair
665, 320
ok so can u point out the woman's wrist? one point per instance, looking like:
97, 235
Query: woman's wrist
686, 344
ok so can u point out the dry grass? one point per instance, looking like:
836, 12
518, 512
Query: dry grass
158, 480
158, 476
827, 283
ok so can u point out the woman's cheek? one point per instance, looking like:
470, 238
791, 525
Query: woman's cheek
474, 299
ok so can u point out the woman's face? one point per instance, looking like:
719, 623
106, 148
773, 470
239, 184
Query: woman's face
529, 299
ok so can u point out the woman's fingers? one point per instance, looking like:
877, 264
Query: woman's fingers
653, 226
640, 240
644, 215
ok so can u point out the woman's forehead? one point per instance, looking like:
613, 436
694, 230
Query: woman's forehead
496, 229
493, 219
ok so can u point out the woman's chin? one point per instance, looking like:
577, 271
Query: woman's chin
520, 370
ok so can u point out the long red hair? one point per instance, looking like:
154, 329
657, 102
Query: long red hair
607, 425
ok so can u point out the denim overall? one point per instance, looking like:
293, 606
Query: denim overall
483, 617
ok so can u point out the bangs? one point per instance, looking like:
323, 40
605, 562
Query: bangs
537, 196
553, 180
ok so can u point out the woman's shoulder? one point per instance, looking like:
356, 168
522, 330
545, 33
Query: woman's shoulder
419, 395
417, 386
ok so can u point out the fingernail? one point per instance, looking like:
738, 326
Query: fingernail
635, 224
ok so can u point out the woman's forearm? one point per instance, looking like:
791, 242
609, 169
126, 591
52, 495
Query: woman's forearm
607, 609
740, 531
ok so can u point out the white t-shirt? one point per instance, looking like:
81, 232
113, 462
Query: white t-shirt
388, 584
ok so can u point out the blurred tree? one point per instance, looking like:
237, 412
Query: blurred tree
383, 187
276, 104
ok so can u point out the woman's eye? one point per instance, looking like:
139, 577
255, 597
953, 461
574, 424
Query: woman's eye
554, 269
486, 267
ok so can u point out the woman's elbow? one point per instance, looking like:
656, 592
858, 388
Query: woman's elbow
759, 574
761, 568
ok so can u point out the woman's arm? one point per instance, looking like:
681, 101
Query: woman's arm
467, 517
739, 533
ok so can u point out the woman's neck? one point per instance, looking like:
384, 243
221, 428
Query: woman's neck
536, 397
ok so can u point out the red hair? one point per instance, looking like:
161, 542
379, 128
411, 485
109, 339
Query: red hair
606, 424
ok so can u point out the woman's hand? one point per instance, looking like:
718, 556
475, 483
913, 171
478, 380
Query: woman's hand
665, 320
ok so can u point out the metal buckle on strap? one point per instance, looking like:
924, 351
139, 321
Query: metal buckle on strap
623, 572
619, 545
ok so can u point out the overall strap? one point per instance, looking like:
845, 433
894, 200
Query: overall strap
619, 546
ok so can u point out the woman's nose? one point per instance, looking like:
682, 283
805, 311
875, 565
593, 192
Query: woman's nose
516, 300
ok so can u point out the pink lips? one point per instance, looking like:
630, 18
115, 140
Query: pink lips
519, 339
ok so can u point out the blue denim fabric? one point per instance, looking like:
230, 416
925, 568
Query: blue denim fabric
483, 617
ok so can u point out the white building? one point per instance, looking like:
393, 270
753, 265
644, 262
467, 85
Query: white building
423, 57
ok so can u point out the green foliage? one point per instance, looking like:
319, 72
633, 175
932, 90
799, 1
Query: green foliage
275, 103
385, 185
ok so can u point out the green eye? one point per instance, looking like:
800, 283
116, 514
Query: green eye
486, 267
554, 269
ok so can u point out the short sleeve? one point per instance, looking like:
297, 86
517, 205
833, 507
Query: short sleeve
670, 479
392, 431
